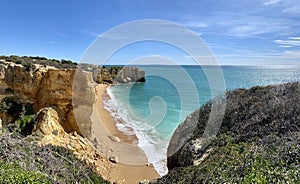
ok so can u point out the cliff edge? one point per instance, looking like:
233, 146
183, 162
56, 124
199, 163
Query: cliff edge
258, 141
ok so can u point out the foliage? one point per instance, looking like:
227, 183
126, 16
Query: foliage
12, 106
258, 141
114, 69
13, 173
29, 61
9, 90
24, 125
15, 107
56, 164
241, 162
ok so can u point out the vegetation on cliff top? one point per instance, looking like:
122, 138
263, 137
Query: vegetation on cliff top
29, 60
258, 141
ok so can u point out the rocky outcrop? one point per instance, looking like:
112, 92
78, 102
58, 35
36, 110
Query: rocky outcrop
48, 122
179, 141
114, 74
45, 86
257, 112
259, 135
48, 130
130, 74
71, 92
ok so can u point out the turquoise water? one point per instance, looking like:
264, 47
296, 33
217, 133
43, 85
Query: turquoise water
155, 108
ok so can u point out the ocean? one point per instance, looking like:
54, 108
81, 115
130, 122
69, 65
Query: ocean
152, 110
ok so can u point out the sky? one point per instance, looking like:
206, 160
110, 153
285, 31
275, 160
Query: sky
248, 32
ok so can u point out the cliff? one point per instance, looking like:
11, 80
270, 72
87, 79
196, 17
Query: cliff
45, 86
114, 74
64, 86
258, 141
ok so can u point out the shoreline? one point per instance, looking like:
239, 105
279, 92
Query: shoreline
132, 163
110, 122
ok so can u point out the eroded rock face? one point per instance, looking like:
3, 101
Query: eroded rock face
69, 91
130, 74
48, 130
50, 87
179, 140
114, 74
48, 122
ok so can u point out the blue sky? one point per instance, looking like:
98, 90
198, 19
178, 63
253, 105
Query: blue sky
247, 32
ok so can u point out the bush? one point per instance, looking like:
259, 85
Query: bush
25, 125
29, 61
13, 173
258, 141
30, 162
9, 90
14, 107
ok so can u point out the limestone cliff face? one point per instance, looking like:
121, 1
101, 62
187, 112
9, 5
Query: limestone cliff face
130, 74
69, 91
114, 74
48, 130
46, 87
48, 122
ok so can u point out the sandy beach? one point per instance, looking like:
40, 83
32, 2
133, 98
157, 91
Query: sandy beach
131, 166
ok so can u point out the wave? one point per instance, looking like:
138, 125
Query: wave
148, 138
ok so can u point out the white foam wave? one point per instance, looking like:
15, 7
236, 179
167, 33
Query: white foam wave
148, 139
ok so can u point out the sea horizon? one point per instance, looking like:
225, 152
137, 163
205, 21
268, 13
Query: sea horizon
220, 65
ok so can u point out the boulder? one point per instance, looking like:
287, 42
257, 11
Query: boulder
48, 122
113, 159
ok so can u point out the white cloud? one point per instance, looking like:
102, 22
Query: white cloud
199, 34
293, 53
240, 24
286, 6
248, 26
271, 2
52, 42
291, 6
285, 46
294, 38
62, 34
290, 42
195, 24
91, 33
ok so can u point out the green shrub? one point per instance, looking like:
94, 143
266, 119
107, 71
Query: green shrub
30, 161
9, 90
13, 173
25, 125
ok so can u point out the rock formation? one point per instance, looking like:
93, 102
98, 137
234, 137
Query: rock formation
130, 74
114, 74
43, 87
48, 122
257, 141
65, 89
48, 130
